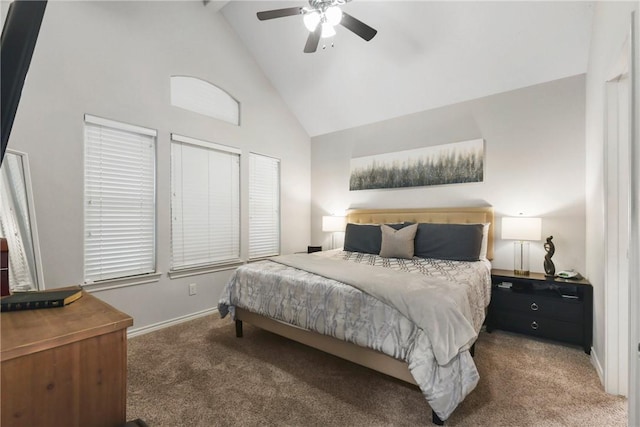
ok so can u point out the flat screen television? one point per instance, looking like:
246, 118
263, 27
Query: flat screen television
19, 35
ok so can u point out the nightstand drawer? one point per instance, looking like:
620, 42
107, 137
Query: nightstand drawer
541, 306
539, 326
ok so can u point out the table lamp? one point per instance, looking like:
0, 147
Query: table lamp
523, 230
333, 224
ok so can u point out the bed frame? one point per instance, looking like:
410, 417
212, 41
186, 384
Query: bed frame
361, 355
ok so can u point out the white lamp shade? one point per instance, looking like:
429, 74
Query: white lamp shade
311, 20
334, 15
333, 223
518, 228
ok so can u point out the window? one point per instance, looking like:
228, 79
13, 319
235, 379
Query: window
199, 96
205, 203
264, 206
119, 209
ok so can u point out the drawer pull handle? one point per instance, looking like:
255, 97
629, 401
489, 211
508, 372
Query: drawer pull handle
534, 307
534, 325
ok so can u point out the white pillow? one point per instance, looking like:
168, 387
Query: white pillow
485, 241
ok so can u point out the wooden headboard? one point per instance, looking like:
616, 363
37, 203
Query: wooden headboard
476, 215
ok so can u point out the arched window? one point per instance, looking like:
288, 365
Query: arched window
202, 97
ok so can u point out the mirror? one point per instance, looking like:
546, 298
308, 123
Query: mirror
17, 223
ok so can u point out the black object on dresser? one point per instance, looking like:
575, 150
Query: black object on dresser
551, 308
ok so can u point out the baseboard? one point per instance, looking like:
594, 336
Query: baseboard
596, 364
134, 332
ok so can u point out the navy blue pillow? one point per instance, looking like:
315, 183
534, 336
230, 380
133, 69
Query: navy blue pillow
457, 242
365, 238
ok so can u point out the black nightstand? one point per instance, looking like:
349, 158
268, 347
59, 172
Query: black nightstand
555, 309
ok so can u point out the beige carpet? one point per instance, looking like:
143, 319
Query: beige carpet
199, 374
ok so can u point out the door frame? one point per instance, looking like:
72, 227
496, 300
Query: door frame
634, 247
618, 133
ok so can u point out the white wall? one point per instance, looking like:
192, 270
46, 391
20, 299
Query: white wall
535, 164
114, 60
610, 28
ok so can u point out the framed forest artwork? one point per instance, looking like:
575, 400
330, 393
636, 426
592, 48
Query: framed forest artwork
455, 163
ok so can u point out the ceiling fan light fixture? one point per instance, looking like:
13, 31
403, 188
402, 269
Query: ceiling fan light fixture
320, 18
327, 30
311, 20
334, 15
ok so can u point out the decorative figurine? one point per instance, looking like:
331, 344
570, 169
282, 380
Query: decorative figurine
549, 268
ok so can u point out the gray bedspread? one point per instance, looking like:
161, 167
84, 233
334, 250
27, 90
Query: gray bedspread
438, 306
334, 308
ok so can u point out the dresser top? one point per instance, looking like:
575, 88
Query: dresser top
29, 331
537, 276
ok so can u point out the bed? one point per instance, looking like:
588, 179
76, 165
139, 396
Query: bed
340, 301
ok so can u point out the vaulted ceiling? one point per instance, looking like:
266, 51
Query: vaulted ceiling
426, 54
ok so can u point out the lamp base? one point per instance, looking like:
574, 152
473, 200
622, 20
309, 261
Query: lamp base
521, 258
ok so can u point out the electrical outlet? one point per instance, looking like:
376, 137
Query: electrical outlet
193, 289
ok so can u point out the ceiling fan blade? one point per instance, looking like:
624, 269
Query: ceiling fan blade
358, 27
279, 13
313, 40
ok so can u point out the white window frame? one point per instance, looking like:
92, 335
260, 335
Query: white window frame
119, 206
264, 206
192, 252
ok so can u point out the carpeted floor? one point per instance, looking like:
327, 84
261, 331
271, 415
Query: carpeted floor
199, 374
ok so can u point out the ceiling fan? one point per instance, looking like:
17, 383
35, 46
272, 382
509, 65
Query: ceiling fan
320, 18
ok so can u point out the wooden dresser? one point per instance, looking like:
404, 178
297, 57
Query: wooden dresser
64, 366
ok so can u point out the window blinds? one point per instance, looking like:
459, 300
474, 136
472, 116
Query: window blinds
264, 206
205, 203
119, 187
